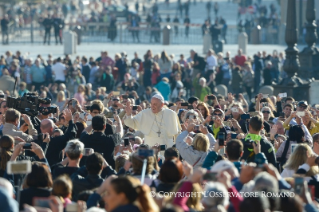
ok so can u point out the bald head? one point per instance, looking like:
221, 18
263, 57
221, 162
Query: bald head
47, 126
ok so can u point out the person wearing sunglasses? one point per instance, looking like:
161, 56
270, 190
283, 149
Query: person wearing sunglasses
218, 118
267, 113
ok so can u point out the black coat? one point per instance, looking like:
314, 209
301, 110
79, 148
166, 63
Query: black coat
28, 194
86, 69
84, 183
57, 144
102, 143
266, 147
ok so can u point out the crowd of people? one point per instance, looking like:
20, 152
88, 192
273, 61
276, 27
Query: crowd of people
128, 135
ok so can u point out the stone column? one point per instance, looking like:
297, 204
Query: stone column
207, 43
166, 35
243, 42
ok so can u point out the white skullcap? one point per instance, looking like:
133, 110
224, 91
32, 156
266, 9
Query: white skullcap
159, 96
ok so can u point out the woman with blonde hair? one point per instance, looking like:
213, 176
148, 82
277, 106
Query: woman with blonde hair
60, 100
194, 154
300, 155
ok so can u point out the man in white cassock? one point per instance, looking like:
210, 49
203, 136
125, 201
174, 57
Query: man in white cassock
158, 124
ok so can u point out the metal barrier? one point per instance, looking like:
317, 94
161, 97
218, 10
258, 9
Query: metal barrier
122, 33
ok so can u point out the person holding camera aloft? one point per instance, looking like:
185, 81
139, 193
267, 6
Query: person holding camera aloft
255, 126
194, 150
53, 146
12, 122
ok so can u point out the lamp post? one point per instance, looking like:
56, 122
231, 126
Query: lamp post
293, 85
309, 55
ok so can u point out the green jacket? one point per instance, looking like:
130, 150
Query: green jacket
200, 91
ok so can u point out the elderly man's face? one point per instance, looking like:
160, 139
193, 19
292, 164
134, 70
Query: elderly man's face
156, 105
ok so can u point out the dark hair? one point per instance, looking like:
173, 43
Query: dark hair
288, 105
12, 115
296, 133
40, 176
96, 107
170, 153
289, 203
98, 122
257, 203
84, 59
84, 195
256, 123
94, 163
289, 98
234, 149
171, 171
6, 144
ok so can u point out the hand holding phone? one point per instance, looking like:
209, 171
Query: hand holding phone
282, 95
126, 141
300, 113
221, 139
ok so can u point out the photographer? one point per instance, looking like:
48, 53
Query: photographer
12, 122
46, 109
103, 139
53, 146
217, 117
255, 126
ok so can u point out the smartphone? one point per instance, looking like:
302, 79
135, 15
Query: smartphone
88, 151
211, 97
184, 104
190, 107
42, 202
87, 107
124, 96
71, 207
126, 141
196, 128
19, 167
82, 115
27, 146
227, 123
282, 95
234, 136
299, 185
300, 113
265, 104
134, 107
245, 116
162, 147
116, 93
293, 147
210, 176
282, 114
145, 152
221, 139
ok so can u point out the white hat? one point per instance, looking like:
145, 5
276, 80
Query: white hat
159, 96
221, 166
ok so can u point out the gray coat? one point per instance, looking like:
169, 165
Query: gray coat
188, 153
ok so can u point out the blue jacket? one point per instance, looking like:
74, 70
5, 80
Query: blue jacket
164, 88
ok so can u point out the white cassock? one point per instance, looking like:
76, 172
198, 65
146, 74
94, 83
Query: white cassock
157, 128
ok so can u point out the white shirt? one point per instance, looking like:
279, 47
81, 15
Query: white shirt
211, 62
58, 69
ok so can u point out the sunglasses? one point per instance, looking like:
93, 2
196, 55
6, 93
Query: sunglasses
116, 100
217, 114
266, 111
